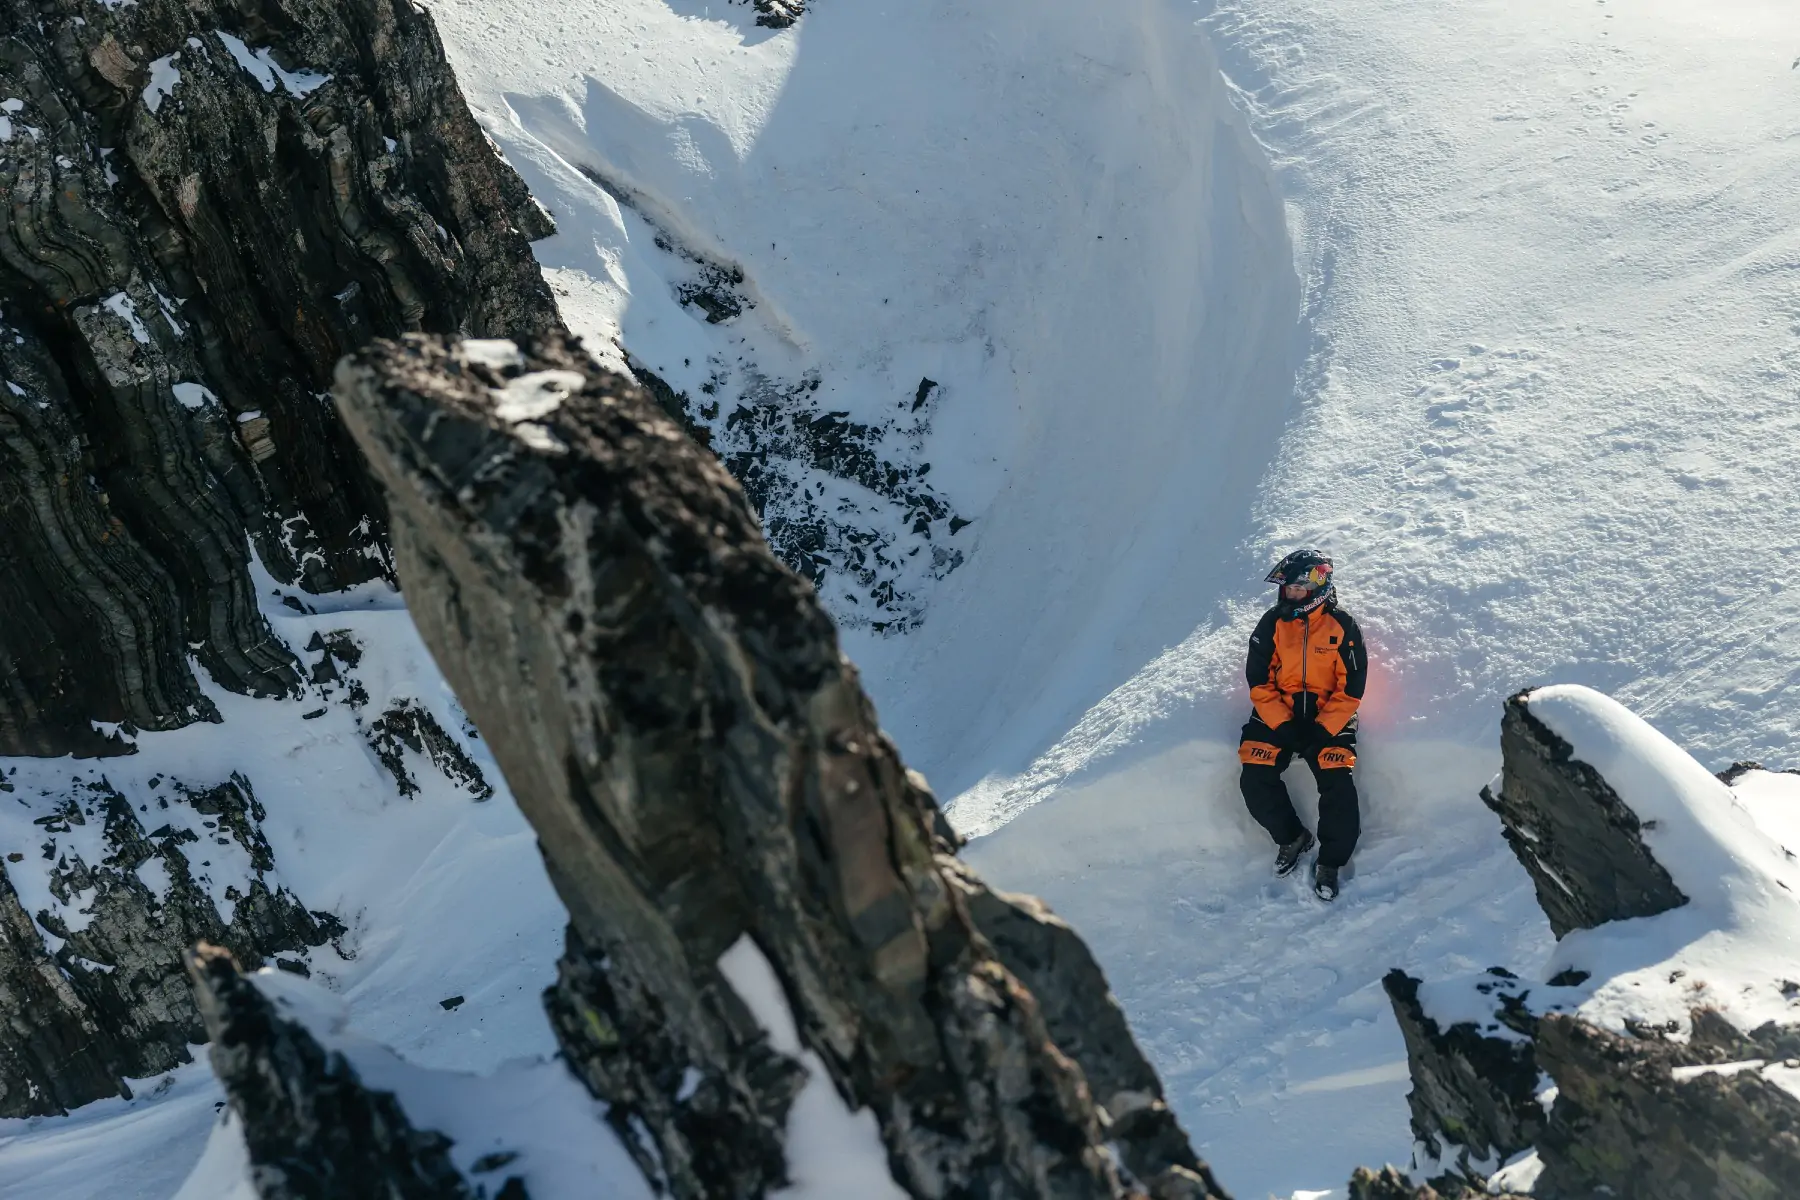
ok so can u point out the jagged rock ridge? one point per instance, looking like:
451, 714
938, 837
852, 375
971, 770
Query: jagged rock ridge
209, 204
670, 706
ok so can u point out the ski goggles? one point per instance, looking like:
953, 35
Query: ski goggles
1311, 580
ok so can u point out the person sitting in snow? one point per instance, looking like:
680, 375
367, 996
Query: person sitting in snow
1306, 669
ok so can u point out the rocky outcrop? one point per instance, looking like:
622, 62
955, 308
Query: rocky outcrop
1644, 1113
670, 707
1391, 1184
208, 204
111, 1001
848, 504
53, 1056
778, 14
1475, 1085
1580, 843
408, 725
1667, 1120
1086, 1023
312, 1129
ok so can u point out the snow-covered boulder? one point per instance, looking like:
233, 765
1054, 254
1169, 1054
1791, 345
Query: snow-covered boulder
1662, 1021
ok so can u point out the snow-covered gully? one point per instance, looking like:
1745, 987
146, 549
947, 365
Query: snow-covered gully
1494, 300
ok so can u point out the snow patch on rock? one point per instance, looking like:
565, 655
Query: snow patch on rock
262, 66
832, 1150
163, 78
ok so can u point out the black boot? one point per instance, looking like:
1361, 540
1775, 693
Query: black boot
1325, 882
1288, 857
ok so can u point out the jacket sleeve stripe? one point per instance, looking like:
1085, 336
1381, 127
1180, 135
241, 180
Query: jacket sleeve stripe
1262, 652
1355, 656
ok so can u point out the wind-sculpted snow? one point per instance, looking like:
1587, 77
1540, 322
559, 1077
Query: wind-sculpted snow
1051, 213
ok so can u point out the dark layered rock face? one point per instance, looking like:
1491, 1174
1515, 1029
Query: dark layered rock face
54, 1056
671, 709
312, 1129
133, 886
207, 204
1581, 844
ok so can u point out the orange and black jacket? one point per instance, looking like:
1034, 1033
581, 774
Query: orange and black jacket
1311, 668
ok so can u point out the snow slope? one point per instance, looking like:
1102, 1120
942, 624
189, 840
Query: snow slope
1547, 406
1049, 209
1498, 300
1545, 361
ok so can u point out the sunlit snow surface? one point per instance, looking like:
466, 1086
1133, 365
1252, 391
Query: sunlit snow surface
1536, 267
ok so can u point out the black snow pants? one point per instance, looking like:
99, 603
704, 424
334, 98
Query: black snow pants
1267, 796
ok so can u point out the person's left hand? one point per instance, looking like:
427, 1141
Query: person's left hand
1311, 740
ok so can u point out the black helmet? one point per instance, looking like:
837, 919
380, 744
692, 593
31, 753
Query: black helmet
1310, 569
